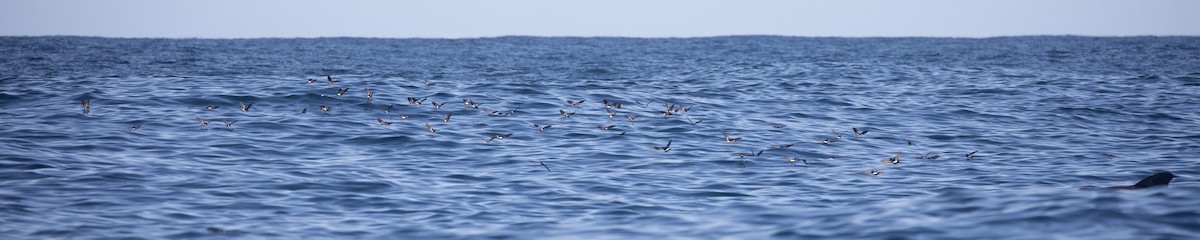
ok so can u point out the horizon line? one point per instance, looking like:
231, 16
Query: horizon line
609, 36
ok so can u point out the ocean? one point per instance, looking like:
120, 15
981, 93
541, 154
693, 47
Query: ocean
752, 124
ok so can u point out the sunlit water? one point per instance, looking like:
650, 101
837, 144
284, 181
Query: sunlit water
1044, 113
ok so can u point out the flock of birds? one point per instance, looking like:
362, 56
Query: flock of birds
667, 111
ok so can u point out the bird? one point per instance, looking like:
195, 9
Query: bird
910, 143
565, 113
781, 146
416, 101
203, 123
839, 135
541, 128
670, 108
136, 127
742, 163
575, 103
213, 107
630, 117
777, 126
893, 160
729, 139
544, 165
388, 109
437, 106
430, 127
751, 154
683, 109
228, 123
369, 95
603, 127
330, 79
427, 83
245, 107
342, 91
471, 103
826, 141
497, 136
1110, 155
382, 122
644, 105
927, 157
613, 104
872, 172
666, 148
302, 110
858, 133
403, 116
611, 114
324, 108
971, 154
311, 81
795, 160
447, 117
87, 105
689, 119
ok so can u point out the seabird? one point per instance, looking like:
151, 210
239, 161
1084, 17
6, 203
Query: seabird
245, 107
729, 139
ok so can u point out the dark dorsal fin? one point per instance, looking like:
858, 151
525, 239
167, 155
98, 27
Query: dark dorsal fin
1162, 178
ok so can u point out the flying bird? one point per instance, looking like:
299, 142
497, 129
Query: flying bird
858, 133
203, 123
228, 123
729, 139
892, 160
666, 148
544, 165
795, 160
245, 107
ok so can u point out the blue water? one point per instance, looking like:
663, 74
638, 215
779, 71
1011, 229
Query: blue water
1043, 114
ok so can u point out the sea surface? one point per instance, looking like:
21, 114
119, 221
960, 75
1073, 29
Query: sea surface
1047, 117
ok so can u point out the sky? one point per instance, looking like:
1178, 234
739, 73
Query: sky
586, 18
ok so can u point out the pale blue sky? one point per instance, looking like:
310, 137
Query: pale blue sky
630, 18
